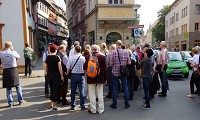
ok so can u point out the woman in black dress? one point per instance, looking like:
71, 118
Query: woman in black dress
53, 70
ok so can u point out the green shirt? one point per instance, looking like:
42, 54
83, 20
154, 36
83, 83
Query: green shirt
28, 52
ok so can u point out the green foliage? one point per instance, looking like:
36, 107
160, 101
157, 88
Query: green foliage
159, 30
35, 56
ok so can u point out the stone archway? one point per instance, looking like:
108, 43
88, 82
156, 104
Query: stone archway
112, 37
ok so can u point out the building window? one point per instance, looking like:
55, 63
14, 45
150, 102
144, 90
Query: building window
197, 9
166, 34
177, 16
186, 11
176, 31
115, 1
196, 27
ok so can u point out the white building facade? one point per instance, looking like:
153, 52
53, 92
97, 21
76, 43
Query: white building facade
17, 24
182, 25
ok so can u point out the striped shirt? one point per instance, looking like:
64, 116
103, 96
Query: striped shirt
124, 59
78, 68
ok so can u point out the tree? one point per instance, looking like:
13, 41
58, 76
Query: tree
159, 30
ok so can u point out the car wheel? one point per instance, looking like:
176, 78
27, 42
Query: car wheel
186, 75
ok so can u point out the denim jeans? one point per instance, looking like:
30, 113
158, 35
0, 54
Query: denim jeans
147, 82
10, 96
110, 85
115, 89
46, 85
77, 80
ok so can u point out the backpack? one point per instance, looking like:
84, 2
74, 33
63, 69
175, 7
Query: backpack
93, 67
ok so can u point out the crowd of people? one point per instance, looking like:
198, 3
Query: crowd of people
119, 67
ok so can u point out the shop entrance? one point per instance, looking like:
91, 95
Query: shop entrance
112, 38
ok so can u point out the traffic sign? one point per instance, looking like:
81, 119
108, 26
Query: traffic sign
136, 32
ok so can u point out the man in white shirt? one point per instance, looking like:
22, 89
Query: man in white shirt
71, 53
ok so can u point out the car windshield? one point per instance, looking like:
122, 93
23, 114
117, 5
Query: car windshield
187, 55
175, 57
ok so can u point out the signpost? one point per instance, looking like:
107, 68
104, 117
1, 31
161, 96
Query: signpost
135, 31
135, 27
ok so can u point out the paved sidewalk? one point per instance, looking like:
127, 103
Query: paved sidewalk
174, 107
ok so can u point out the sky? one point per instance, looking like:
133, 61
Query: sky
148, 10
61, 3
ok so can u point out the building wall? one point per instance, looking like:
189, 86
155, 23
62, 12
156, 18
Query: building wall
124, 1
78, 19
175, 40
194, 17
13, 25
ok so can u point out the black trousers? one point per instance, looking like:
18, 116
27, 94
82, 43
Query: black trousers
130, 81
63, 90
195, 81
163, 77
28, 66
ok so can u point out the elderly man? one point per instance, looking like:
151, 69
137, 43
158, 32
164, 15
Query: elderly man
9, 59
95, 85
71, 53
162, 67
119, 58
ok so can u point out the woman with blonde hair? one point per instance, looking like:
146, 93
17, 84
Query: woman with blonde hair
9, 59
104, 49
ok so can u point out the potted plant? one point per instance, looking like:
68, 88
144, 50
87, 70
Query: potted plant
35, 56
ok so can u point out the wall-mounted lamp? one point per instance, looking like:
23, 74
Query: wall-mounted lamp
101, 38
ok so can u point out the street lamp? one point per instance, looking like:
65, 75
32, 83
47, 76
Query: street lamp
135, 8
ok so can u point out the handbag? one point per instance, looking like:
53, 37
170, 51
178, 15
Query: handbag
70, 71
123, 69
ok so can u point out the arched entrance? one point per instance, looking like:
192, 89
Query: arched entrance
112, 38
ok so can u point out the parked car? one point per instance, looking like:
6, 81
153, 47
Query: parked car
176, 65
186, 55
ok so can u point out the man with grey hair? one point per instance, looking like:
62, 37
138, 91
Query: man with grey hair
162, 67
71, 53
119, 58
95, 85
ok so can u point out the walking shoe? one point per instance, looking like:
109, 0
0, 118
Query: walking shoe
23, 102
162, 95
72, 108
91, 112
127, 106
10, 106
112, 106
47, 95
82, 109
108, 96
55, 108
190, 96
100, 113
146, 107
66, 103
